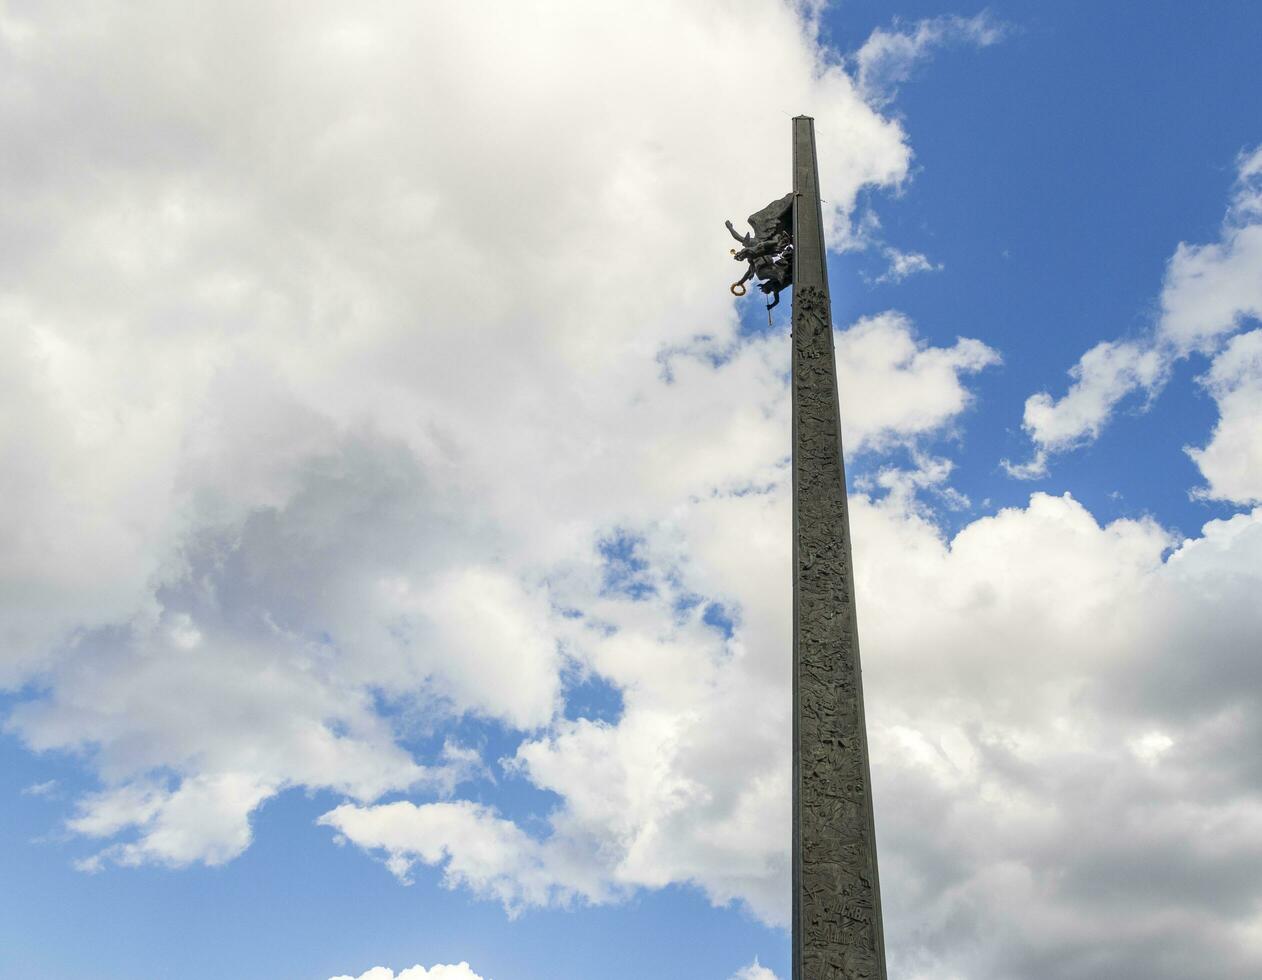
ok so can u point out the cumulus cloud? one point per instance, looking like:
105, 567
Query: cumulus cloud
477, 849
690, 784
327, 349
1064, 718
1232, 460
755, 971
895, 386
439, 971
889, 57
1209, 292
1101, 379
903, 264
1054, 715
205, 819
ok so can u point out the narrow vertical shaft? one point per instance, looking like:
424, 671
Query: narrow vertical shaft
837, 933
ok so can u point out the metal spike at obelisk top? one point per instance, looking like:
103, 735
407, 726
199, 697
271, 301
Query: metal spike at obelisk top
837, 933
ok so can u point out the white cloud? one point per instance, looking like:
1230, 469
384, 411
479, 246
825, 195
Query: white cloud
497, 643
1047, 712
440, 971
320, 370
904, 264
888, 58
755, 971
1102, 377
1014, 696
928, 477
894, 387
1209, 292
1232, 460
476, 848
206, 819
213, 278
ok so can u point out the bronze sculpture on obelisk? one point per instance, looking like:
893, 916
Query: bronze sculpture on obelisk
837, 933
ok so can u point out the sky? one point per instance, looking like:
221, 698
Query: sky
394, 502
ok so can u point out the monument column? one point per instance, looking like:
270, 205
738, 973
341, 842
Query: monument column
837, 933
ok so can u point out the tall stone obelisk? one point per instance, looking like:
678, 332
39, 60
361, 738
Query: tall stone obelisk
837, 932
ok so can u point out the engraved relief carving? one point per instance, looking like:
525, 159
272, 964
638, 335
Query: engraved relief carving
839, 918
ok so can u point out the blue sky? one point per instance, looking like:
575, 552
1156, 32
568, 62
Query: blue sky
373, 598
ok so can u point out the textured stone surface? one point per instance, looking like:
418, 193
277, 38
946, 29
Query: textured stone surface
837, 931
